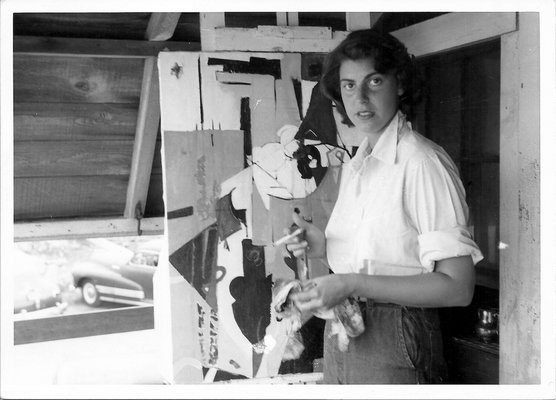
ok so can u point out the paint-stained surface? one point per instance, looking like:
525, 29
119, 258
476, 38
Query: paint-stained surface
229, 122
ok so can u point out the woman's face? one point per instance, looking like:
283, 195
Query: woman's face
370, 98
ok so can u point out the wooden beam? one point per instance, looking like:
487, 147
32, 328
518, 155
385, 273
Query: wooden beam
145, 140
520, 219
293, 19
103, 322
162, 26
282, 19
79, 47
284, 39
430, 36
208, 22
358, 20
284, 379
85, 228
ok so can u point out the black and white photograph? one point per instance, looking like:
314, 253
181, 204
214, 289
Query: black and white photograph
278, 200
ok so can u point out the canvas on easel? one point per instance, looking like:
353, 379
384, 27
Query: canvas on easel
229, 123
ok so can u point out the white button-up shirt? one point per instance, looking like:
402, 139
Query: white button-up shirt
400, 208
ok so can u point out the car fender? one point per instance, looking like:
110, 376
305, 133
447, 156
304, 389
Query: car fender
102, 275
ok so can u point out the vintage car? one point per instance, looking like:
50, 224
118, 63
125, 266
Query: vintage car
113, 273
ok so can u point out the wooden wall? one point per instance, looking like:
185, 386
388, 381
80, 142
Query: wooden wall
74, 128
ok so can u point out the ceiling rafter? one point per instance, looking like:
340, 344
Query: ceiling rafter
162, 26
79, 47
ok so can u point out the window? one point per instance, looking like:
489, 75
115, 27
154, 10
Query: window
62, 288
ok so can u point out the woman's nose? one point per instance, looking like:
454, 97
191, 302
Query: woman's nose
362, 95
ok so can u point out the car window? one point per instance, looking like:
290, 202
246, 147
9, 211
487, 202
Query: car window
149, 259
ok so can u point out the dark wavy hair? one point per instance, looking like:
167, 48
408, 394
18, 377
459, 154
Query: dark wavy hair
389, 56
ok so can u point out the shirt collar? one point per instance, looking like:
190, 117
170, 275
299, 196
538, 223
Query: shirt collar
386, 146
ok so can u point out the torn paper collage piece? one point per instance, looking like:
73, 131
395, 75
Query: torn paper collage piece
234, 168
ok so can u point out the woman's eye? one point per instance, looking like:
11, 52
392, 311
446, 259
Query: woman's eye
348, 86
375, 82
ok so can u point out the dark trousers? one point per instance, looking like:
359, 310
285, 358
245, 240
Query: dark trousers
400, 345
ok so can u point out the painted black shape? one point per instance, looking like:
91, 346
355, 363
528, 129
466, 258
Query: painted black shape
180, 213
227, 217
200, 90
291, 262
298, 95
312, 333
252, 293
195, 261
255, 65
319, 123
217, 272
245, 126
226, 221
304, 155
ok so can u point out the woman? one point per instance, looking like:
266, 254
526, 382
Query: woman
397, 238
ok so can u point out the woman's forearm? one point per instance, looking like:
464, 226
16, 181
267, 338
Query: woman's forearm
451, 284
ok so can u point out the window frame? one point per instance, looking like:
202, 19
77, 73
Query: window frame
92, 323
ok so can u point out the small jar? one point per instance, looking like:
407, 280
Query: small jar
486, 327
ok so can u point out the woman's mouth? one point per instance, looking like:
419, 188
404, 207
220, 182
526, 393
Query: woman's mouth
365, 114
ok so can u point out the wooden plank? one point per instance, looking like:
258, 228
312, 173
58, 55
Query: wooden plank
520, 344
298, 32
87, 324
85, 228
452, 30
208, 22
162, 26
83, 79
85, 158
179, 78
358, 20
69, 197
128, 25
285, 379
287, 19
145, 140
74, 121
293, 19
250, 39
85, 47
282, 18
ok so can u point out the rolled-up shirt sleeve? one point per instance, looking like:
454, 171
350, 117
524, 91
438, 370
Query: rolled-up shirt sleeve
435, 203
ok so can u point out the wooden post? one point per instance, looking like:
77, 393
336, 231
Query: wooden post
209, 21
520, 340
145, 140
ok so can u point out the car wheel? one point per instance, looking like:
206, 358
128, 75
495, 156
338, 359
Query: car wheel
90, 294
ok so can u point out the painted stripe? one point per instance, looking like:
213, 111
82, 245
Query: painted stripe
180, 213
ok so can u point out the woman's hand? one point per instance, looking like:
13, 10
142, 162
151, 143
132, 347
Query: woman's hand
323, 292
314, 243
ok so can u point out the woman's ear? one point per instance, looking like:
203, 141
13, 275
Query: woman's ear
401, 91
